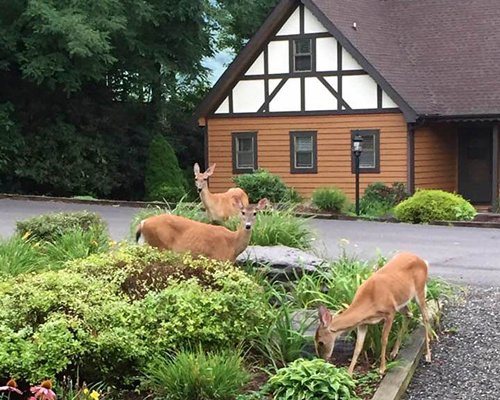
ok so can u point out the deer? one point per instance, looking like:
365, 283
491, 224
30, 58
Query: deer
219, 206
179, 234
388, 290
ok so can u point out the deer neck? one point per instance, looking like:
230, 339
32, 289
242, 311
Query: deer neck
349, 319
241, 239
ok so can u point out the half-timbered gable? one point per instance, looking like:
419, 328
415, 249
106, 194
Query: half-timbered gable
302, 68
403, 75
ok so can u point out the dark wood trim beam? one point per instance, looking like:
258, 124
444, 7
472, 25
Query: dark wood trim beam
308, 74
302, 94
266, 75
205, 145
302, 36
301, 19
264, 109
379, 96
341, 101
310, 113
231, 109
339, 74
410, 158
494, 172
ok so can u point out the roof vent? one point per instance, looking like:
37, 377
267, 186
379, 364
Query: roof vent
355, 26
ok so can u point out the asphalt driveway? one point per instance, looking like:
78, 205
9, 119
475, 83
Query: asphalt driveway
465, 255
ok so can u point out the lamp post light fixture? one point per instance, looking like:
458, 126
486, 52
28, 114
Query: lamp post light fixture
357, 149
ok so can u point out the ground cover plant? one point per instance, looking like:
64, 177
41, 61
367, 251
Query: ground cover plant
97, 314
431, 205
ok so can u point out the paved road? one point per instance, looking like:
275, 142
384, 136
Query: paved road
466, 255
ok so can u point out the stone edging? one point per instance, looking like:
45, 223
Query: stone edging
397, 379
142, 204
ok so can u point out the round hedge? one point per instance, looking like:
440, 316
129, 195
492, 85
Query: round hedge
434, 205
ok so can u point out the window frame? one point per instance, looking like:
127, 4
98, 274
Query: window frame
376, 149
314, 168
294, 54
234, 142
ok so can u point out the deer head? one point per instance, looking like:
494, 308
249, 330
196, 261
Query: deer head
324, 338
201, 178
249, 213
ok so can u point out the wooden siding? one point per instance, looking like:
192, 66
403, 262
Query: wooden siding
334, 149
436, 150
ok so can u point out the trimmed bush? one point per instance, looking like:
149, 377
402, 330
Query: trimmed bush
330, 199
197, 376
106, 315
262, 184
434, 205
305, 379
49, 227
164, 178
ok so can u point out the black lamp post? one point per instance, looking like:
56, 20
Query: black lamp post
357, 149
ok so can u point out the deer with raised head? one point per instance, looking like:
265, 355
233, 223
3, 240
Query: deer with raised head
179, 234
219, 206
388, 290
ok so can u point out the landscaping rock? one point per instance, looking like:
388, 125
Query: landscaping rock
280, 262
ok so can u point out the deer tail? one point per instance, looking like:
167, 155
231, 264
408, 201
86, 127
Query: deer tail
138, 232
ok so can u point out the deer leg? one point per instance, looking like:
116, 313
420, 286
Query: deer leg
360, 340
385, 336
425, 318
401, 334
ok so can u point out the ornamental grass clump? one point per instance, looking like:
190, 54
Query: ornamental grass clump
197, 375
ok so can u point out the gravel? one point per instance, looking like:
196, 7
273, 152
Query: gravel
466, 360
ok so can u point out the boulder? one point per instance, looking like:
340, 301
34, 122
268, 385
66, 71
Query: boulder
280, 262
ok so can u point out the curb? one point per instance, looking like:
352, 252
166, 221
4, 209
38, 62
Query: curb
326, 216
395, 382
101, 202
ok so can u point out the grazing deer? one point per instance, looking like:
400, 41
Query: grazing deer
219, 206
388, 290
179, 234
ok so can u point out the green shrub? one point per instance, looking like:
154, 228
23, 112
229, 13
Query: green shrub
49, 227
262, 184
197, 376
279, 227
330, 199
306, 379
106, 315
164, 178
430, 205
379, 199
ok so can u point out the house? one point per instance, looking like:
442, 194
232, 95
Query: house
419, 81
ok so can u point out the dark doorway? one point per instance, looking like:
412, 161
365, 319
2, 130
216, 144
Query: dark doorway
475, 164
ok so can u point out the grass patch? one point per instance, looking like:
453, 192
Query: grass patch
197, 376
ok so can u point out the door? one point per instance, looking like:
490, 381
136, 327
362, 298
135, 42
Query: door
475, 164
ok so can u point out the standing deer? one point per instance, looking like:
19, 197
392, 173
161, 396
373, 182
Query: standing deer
219, 206
388, 290
179, 234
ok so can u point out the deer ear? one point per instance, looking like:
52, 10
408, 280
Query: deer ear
263, 203
325, 317
210, 169
196, 169
237, 203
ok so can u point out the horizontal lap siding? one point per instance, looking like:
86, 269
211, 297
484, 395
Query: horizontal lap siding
436, 158
334, 149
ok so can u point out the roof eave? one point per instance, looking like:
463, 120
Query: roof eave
246, 57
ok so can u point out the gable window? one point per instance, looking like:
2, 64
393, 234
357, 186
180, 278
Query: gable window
303, 153
244, 152
302, 55
369, 161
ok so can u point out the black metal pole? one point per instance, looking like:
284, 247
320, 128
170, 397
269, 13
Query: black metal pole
356, 159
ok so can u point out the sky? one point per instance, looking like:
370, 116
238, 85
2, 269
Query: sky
218, 64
